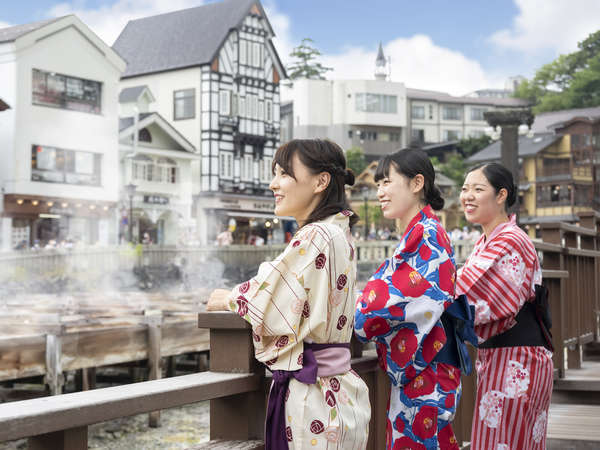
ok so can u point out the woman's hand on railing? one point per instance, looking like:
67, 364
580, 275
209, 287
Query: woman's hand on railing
217, 300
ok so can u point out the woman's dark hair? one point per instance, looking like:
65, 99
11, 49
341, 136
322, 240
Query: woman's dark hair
500, 178
411, 162
320, 155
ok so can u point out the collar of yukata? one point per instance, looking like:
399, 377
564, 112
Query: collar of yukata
426, 212
512, 221
340, 218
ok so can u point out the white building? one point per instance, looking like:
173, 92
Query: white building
215, 74
379, 115
157, 160
59, 140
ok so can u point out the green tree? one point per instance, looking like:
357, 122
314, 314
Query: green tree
455, 165
355, 159
306, 65
570, 81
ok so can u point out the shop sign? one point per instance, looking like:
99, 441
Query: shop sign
156, 199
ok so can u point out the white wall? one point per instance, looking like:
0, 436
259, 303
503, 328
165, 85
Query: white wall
8, 92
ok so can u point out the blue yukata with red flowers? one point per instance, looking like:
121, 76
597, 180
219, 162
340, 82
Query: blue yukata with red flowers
400, 310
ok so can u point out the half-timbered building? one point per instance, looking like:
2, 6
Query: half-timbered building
215, 75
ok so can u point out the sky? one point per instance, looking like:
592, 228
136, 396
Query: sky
452, 46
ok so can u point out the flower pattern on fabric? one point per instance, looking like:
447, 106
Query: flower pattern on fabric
400, 309
516, 380
539, 428
512, 266
491, 408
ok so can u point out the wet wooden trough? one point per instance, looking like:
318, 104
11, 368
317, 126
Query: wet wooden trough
50, 335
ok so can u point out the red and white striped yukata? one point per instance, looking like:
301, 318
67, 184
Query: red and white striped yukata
514, 384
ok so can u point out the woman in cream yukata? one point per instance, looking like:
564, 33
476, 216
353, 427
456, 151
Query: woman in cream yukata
301, 306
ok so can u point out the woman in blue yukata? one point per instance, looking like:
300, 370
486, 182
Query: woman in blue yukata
401, 308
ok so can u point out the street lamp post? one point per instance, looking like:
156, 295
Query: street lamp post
130, 192
366, 199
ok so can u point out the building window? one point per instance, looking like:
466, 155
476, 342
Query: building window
269, 110
184, 104
226, 163
451, 135
452, 113
144, 135
261, 110
247, 165
242, 52
242, 111
350, 134
476, 134
165, 171
554, 195
66, 92
368, 135
380, 103
225, 103
256, 54
430, 112
395, 137
417, 112
265, 174
56, 165
417, 135
477, 113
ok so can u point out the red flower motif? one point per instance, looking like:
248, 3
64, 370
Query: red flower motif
410, 372
271, 361
410, 282
341, 322
381, 355
242, 305
375, 326
399, 424
256, 337
301, 359
422, 384
388, 434
396, 311
320, 261
244, 287
425, 252
433, 343
295, 243
282, 342
425, 422
448, 376
335, 384
346, 213
351, 253
288, 433
341, 282
447, 273
316, 427
414, 239
306, 310
443, 239
330, 399
375, 295
406, 443
403, 346
447, 439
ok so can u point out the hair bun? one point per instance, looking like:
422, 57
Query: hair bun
349, 177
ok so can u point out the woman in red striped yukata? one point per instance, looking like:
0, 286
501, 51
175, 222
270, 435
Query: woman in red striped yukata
501, 279
301, 306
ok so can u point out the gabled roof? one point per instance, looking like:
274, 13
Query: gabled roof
543, 121
126, 128
132, 94
11, 33
180, 39
528, 146
443, 97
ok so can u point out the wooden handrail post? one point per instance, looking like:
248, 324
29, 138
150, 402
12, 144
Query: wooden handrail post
154, 321
71, 439
241, 416
54, 377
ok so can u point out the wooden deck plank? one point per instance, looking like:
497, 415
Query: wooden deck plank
569, 422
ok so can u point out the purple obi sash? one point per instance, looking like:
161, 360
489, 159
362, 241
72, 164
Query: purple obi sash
319, 360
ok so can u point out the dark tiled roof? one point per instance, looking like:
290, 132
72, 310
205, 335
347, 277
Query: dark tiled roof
443, 97
543, 121
3, 105
527, 147
11, 33
131, 94
179, 39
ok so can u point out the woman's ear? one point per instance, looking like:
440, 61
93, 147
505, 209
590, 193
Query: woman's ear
501, 196
323, 180
417, 183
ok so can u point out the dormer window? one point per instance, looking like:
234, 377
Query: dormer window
144, 135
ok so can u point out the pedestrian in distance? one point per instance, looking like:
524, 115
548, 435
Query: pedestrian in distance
301, 304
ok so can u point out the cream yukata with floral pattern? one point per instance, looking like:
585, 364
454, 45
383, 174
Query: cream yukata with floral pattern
307, 294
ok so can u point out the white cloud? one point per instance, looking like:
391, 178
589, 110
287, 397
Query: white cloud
556, 25
283, 41
108, 21
419, 63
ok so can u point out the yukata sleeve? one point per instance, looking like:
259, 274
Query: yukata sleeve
497, 282
284, 301
402, 308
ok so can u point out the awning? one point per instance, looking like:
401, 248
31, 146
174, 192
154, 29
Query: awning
257, 215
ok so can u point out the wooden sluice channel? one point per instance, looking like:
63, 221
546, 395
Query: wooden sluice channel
47, 335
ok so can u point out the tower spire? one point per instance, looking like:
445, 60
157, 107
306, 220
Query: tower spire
381, 62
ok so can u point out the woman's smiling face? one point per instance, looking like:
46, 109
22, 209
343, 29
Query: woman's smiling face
397, 196
479, 199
